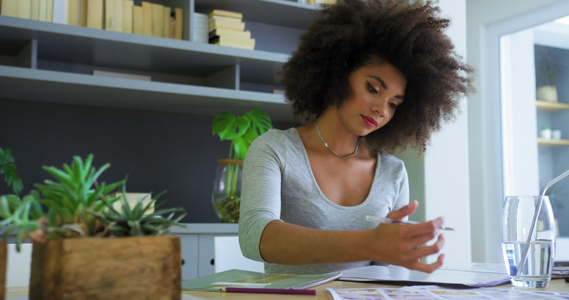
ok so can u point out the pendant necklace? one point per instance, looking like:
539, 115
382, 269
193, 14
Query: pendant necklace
329, 148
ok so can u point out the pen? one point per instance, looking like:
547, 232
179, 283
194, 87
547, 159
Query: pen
267, 291
391, 221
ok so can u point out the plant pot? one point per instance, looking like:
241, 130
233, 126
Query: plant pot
3, 263
107, 268
226, 195
547, 93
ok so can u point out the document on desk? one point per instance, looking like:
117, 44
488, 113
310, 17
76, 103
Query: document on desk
468, 275
433, 292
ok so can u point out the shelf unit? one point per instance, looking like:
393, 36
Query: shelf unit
552, 143
549, 106
48, 62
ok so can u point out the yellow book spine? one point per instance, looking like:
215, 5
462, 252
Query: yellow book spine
95, 14
35, 10
49, 11
157, 23
10, 8
83, 13
179, 19
146, 18
166, 21
137, 20
24, 9
73, 13
127, 16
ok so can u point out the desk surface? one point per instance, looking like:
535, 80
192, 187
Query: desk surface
556, 285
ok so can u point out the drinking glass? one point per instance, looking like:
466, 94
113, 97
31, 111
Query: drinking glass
529, 259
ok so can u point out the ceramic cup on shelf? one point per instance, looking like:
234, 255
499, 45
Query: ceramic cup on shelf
545, 133
556, 134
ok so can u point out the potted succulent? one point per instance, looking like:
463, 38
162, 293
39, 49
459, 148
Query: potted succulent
241, 131
85, 248
10, 207
549, 68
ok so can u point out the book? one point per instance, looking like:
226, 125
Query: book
95, 14
230, 41
472, 275
132, 198
42, 10
24, 9
228, 32
225, 13
172, 25
35, 10
49, 10
73, 13
83, 13
249, 279
137, 20
114, 15
200, 28
179, 23
167, 12
9, 8
219, 23
146, 18
128, 6
61, 11
157, 22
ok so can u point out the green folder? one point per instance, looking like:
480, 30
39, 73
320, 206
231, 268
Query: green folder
248, 279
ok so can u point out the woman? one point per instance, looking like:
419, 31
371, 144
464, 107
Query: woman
369, 80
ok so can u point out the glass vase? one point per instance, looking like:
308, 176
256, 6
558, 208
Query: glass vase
226, 193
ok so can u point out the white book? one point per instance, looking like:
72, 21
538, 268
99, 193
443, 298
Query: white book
201, 28
61, 11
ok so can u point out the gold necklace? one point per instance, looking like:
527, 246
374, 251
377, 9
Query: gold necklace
331, 150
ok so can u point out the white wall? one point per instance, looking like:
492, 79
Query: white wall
439, 179
519, 119
486, 20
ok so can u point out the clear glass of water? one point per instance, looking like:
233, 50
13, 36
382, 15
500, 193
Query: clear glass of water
529, 260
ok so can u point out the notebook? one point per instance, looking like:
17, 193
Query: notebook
249, 279
468, 275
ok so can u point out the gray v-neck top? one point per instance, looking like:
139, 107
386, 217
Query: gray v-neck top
278, 184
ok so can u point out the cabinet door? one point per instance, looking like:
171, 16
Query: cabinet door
206, 259
189, 245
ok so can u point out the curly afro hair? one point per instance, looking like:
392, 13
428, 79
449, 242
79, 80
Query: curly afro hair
355, 33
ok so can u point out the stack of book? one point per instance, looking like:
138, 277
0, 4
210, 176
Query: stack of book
226, 28
320, 2
115, 15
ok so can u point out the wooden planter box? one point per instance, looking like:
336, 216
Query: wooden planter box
107, 268
3, 263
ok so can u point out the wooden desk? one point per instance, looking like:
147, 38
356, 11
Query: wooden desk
557, 285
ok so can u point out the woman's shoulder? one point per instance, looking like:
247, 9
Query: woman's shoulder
387, 158
278, 135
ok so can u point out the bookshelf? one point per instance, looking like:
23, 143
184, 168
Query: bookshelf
53, 63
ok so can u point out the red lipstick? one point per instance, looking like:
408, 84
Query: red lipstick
371, 122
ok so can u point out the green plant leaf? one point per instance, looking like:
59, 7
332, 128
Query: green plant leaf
229, 127
8, 168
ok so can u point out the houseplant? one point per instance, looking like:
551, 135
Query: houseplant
86, 249
241, 130
549, 68
12, 208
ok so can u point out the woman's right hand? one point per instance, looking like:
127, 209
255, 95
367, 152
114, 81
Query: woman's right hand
405, 244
